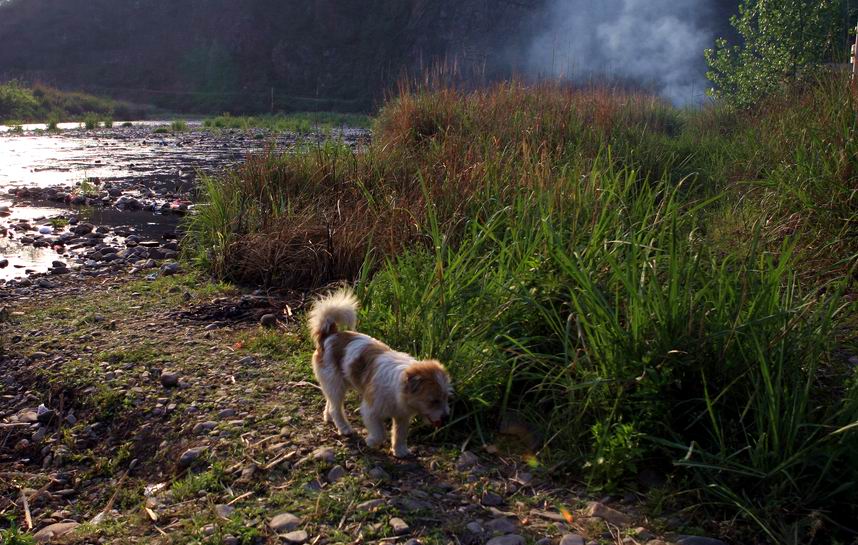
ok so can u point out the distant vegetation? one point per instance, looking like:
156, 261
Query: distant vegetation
38, 104
651, 288
304, 122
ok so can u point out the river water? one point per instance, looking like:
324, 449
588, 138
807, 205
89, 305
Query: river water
41, 173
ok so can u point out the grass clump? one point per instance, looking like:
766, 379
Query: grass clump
301, 123
179, 125
211, 480
648, 288
41, 103
13, 535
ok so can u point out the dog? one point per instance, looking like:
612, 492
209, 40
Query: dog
392, 385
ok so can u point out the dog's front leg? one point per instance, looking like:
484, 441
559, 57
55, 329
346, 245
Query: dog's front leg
374, 425
400, 436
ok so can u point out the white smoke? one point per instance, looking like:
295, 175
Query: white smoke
658, 43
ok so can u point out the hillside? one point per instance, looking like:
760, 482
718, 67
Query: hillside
224, 55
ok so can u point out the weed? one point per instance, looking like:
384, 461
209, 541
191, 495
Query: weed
91, 121
14, 536
211, 480
179, 125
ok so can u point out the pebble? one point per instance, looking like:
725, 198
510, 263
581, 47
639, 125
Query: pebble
230, 540
413, 541
324, 454
467, 460
226, 413
369, 505
572, 539
169, 379
48, 533
400, 527
336, 473
379, 474
170, 269
295, 538
268, 320
490, 499
204, 427
510, 539
190, 456
284, 522
502, 525
224, 511
602, 511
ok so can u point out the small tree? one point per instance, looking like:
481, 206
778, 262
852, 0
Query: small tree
784, 41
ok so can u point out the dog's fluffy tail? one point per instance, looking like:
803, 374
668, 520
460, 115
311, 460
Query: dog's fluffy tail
335, 309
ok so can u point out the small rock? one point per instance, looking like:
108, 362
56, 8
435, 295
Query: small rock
370, 505
48, 533
82, 229
510, 539
490, 499
336, 473
572, 539
204, 427
170, 269
190, 456
467, 460
231, 540
247, 360
474, 527
378, 474
413, 541
45, 415
224, 511
642, 534
284, 522
4, 263
400, 527
324, 454
699, 540
602, 511
226, 413
502, 525
295, 538
169, 379
268, 320
544, 541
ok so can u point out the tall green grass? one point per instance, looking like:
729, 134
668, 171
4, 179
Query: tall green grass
301, 123
648, 288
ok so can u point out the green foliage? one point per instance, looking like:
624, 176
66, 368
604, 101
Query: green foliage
179, 125
17, 102
211, 480
90, 121
301, 123
642, 285
783, 41
14, 536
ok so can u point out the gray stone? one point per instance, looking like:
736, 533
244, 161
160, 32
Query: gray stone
612, 516
324, 454
170, 269
231, 540
544, 541
284, 522
204, 427
510, 539
379, 474
295, 538
169, 379
48, 533
190, 456
400, 527
413, 541
336, 473
490, 499
224, 511
467, 460
82, 229
268, 320
502, 525
572, 539
475, 528
226, 413
370, 505
699, 540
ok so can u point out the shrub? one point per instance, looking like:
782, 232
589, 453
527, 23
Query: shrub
179, 125
91, 121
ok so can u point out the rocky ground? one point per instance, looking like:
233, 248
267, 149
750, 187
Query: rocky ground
157, 408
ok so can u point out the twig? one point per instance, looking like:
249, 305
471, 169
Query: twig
280, 459
27, 517
239, 498
304, 383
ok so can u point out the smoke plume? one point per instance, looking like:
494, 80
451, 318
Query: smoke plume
655, 43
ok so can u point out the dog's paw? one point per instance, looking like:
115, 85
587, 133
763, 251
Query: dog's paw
374, 442
401, 452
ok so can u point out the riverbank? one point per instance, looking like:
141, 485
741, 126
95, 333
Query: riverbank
159, 410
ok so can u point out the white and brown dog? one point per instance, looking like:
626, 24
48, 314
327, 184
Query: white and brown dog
393, 385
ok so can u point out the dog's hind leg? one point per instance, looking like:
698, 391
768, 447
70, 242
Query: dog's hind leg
334, 389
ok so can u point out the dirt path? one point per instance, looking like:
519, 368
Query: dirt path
169, 415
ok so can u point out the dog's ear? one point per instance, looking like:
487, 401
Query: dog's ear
414, 383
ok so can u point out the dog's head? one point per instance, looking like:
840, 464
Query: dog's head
426, 391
